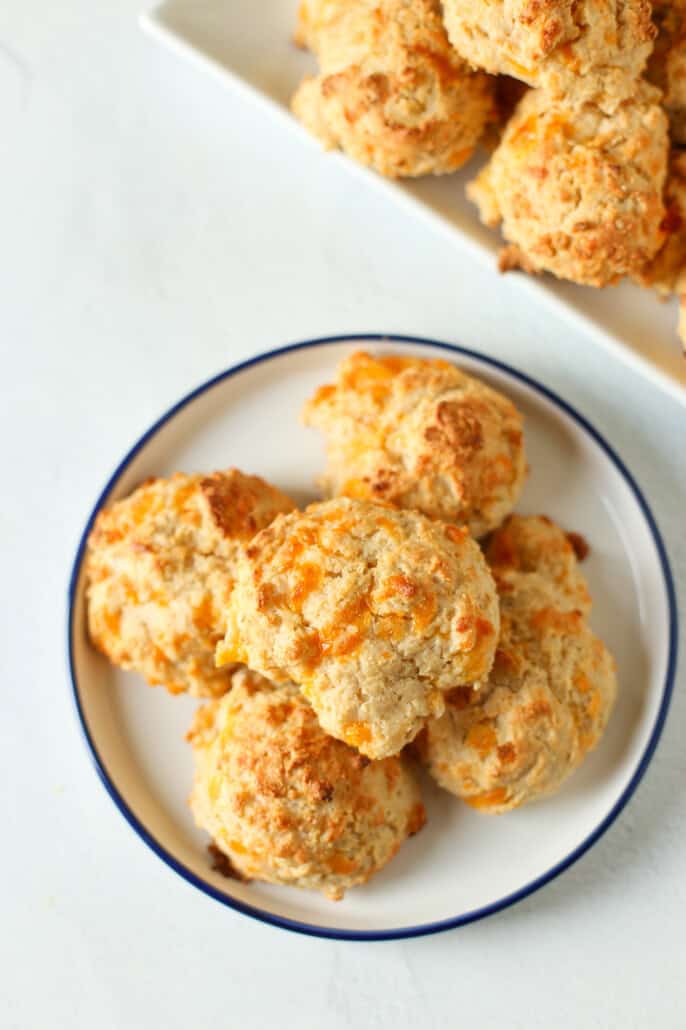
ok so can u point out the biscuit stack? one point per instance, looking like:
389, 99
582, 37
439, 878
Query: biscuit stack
408, 608
578, 182
578, 177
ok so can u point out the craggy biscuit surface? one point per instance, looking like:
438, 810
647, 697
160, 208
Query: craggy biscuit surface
578, 192
288, 804
420, 434
374, 612
392, 93
546, 702
160, 568
585, 49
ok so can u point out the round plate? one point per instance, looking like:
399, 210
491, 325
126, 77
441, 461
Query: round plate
463, 865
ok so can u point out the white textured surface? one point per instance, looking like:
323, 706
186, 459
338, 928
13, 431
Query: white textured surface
154, 230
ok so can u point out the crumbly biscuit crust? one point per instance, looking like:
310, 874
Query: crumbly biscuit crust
160, 568
373, 611
588, 50
392, 93
288, 804
549, 695
578, 192
420, 434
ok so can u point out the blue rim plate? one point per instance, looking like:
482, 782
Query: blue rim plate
535, 883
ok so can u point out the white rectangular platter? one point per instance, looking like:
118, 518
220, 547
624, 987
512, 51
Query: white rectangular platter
249, 47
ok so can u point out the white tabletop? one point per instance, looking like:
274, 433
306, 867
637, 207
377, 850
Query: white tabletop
154, 230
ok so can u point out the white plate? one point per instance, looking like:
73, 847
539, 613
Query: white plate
463, 865
250, 49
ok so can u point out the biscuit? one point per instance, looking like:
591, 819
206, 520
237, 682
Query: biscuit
288, 804
160, 567
392, 93
545, 704
420, 434
578, 192
592, 50
374, 612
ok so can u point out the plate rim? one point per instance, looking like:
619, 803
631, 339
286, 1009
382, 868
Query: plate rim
435, 926
153, 23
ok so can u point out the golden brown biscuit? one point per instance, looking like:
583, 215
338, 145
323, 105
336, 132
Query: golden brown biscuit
391, 93
592, 50
288, 804
374, 612
666, 273
667, 64
420, 434
160, 568
578, 192
545, 704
